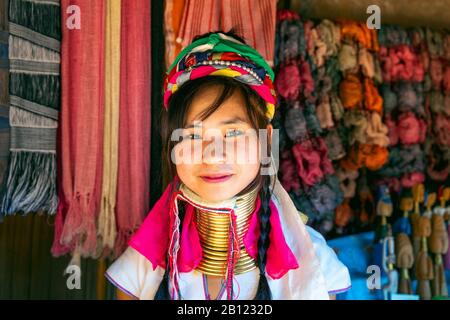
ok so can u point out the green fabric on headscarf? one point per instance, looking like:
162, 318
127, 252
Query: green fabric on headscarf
223, 45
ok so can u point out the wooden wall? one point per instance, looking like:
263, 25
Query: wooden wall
27, 269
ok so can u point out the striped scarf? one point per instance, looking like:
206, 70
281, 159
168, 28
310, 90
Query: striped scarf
34, 87
4, 91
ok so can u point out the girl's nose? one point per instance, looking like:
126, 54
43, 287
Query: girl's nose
214, 151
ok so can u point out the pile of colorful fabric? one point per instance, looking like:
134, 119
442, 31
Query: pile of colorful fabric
359, 95
437, 147
365, 134
305, 94
403, 75
369, 102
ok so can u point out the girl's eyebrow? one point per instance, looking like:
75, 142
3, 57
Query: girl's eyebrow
233, 120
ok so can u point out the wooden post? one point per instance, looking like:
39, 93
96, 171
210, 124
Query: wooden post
101, 281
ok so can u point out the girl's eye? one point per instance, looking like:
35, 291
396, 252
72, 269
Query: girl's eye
192, 136
234, 133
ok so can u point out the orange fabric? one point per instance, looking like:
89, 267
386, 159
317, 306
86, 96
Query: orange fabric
372, 99
376, 156
371, 156
177, 15
359, 32
350, 92
343, 214
173, 17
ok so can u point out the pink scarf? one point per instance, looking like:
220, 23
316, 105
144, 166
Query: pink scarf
153, 239
81, 131
132, 202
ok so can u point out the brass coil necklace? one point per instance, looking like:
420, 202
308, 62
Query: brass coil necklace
214, 228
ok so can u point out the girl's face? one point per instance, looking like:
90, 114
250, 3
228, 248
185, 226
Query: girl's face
219, 156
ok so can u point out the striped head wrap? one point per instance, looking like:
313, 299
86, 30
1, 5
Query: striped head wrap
221, 55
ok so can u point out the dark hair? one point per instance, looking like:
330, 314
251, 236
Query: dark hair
175, 118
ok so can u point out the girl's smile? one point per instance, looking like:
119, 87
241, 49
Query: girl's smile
216, 178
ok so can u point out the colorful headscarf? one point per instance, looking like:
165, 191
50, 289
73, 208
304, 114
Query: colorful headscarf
221, 55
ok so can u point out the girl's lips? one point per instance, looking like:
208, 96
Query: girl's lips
216, 178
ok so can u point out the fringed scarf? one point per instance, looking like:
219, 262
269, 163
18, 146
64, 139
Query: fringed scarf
254, 20
132, 203
4, 91
34, 87
106, 220
81, 140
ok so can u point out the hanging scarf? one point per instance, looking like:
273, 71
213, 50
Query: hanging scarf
106, 219
34, 45
173, 14
199, 17
4, 92
158, 236
134, 133
254, 20
81, 131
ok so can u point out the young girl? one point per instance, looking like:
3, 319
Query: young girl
224, 227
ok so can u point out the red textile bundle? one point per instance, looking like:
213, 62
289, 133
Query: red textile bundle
442, 129
436, 72
288, 82
412, 179
401, 63
393, 133
312, 160
288, 174
411, 130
